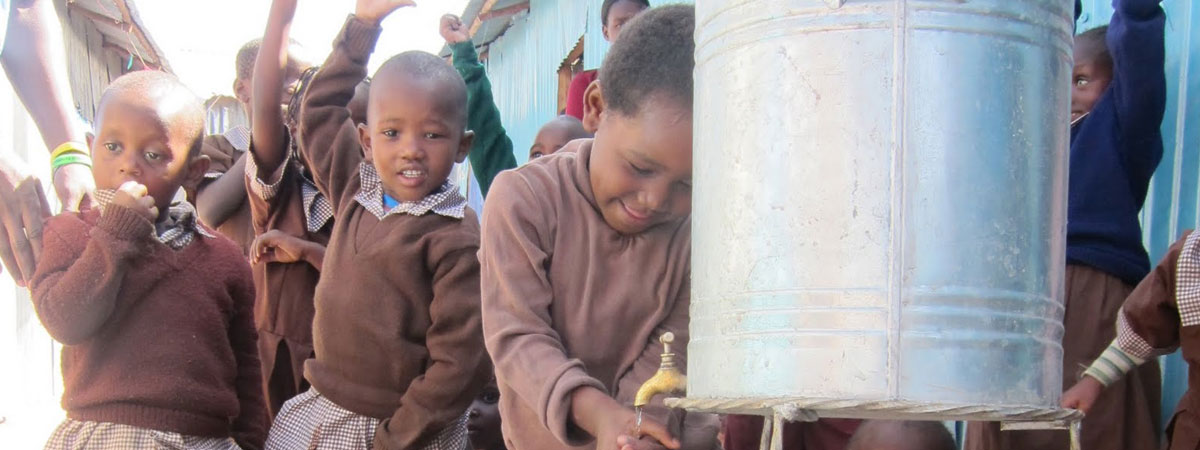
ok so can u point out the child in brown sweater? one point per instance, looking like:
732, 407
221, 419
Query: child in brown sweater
291, 219
1162, 314
153, 310
586, 254
399, 348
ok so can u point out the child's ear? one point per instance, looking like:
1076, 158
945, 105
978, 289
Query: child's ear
604, 32
197, 168
593, 107
241, 89
364, 139
464, 146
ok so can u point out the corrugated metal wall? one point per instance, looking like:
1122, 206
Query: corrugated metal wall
1172, 203
523, 63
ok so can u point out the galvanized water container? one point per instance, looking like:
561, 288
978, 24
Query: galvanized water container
880, 191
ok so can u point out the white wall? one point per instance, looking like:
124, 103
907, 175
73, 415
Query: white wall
30, 380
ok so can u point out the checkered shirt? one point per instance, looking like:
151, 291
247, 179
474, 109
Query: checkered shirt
446, 200
1187, 282
76, 435
181, 226
317, 209
311, 421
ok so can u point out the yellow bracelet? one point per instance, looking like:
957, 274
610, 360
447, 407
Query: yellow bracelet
69, 147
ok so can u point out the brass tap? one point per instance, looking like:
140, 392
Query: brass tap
668, 380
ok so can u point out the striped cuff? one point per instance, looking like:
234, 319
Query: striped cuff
1113, 364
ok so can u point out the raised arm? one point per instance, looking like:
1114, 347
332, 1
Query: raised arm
492, 151
331, 147
1139, 87
270, 143
33, 58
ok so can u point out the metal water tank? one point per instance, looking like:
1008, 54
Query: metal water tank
880, 200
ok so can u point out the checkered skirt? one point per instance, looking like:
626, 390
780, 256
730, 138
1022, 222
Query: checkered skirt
311, 421
77, 435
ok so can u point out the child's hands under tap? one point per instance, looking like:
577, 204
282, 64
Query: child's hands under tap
1083, 394
134, 196
373, 11
453, 30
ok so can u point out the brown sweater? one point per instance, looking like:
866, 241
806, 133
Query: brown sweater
283, 311
1155, 313
152, 337
570, 302
397, 329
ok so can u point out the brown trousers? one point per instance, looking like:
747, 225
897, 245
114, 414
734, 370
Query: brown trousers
1127, 414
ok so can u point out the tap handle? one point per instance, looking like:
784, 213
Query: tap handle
666, 339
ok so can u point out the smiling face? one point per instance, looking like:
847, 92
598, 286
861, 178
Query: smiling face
148, 140
641, 166
414, 133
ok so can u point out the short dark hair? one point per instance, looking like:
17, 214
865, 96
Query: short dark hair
247, 55
608, 4
655, 56
427, 66
1093, 44
162, 87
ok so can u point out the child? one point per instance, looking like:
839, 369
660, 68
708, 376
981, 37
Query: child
585, 258
220, 196
1117, 106
1158, 317
555, 135
902, 435
493, 150
291, 219
154, 311
399, 354
483, 420
614, 14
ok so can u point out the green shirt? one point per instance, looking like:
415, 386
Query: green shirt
492, 151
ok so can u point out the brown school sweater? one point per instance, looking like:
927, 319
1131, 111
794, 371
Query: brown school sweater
397, 328
283, 311
1164, 311
152, 337
570, 302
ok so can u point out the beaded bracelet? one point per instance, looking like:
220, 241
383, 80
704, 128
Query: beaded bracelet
69, 158
68, 147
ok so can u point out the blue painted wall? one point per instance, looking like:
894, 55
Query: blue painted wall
1172, 203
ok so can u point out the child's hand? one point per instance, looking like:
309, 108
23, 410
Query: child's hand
135, 197
373, 11
608, 421
452, 29
277, 246
1083, 394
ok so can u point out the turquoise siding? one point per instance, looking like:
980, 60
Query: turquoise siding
1174, 195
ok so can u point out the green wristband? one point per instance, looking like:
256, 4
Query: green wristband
67, 159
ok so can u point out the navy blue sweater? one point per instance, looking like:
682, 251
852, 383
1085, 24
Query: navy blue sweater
1117, 146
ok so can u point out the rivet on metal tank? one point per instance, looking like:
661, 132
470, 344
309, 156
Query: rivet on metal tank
880, 191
